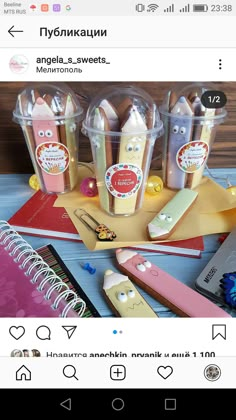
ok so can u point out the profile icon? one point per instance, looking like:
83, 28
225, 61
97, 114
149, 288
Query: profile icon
36, 353
18, 64
212, 372
16, 353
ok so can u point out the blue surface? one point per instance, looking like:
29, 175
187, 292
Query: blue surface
15, 191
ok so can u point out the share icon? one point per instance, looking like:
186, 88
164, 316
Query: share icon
70, 329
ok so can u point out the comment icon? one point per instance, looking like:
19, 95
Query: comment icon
43, 332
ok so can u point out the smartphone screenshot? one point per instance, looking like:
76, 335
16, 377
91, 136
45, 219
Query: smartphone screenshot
117, 206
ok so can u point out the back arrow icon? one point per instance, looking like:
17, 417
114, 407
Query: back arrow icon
66, 404
11, 31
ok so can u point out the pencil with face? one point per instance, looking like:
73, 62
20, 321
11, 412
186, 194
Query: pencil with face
130, 158
29, 135
52, 158
180, 132
203, 135
102, 153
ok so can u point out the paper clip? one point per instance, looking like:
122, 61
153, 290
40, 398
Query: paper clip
102, 231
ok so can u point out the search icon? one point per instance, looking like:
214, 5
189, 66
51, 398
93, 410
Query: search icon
69, 371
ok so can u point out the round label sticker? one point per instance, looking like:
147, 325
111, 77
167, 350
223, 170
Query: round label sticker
192, 156
53, 158
123, 180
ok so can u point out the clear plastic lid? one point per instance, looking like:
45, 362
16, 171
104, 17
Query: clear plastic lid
203, 104
117, 110
59, 103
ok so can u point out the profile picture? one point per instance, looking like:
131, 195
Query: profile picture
212, 372
16, 353
26, 353
36, 353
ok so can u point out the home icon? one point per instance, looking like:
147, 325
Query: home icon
23, 374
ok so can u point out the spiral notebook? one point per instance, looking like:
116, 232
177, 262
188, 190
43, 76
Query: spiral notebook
32, 287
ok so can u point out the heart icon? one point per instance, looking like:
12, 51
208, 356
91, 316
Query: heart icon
165, 371
17, 332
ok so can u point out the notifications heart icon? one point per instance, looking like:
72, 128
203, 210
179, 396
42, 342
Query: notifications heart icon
17, 332
165, 371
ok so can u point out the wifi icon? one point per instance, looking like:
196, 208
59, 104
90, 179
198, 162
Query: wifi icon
152, 7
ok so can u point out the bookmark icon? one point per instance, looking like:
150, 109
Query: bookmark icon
70, 329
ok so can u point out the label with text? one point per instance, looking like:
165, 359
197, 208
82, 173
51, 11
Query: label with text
192, 156
53, 158
123, 180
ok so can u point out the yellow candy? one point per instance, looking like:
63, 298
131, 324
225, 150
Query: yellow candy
154, 185
34, 183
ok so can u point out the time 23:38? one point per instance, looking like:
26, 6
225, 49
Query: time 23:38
221, 8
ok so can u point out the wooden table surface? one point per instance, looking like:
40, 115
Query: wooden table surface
14, 192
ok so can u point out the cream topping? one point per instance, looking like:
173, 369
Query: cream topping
113, 279
124, 255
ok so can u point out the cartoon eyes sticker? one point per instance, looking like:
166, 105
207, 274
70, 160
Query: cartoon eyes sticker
122, 297
137, 147
48, 133
141, 267
175, 129
182, 130
73, 128
167, 217
41, 133
129, 147
96, 144
131, 293
147, 264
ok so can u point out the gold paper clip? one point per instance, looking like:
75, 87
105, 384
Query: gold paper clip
102, 231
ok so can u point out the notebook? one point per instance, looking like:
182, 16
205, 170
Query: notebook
52, 258
222, 263
38, 217
192, 247
33, 286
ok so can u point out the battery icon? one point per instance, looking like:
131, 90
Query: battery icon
200, 7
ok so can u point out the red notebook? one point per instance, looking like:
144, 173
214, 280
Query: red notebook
38, 217
187, 248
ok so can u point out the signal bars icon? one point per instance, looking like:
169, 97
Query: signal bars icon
185, 9
170, 9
